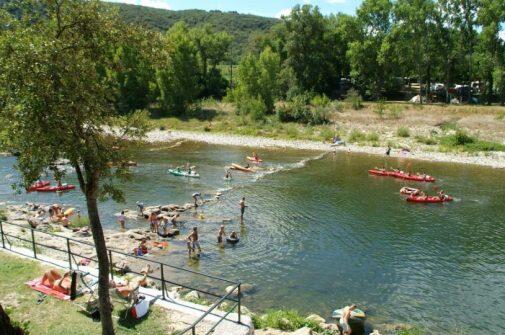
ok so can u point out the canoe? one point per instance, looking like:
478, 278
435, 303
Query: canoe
429, 199
240, 168
254, 160
181, 173
409, 190
428, 179
62, 188
381, 173
357, 314
41, 183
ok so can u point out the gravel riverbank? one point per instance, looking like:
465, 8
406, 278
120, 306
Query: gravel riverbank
490, 159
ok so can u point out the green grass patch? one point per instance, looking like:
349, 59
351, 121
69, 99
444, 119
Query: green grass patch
373, 137
288, 320
464, 142
79, 222
449, 125
403, 132
356, 136
54, 316
426, 140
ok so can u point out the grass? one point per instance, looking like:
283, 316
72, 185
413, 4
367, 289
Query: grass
288, 320
403, 132
79, 222
426, 140
356, 136
463, 142
57, 317
413, 331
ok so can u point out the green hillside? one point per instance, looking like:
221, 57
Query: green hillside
240, 26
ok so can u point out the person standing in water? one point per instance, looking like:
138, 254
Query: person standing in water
192, 241
122, 220
221, 234
388, 151
195, 198
140, 207
242, 208
227, 176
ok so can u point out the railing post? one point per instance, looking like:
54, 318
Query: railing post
69, 254
111, 265
239, 304
33, 244
162, 282
193, 330
2, 232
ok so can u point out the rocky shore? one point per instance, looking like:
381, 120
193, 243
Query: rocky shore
490, 159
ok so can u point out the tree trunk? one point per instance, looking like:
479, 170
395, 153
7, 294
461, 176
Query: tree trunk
489, 88
103, 263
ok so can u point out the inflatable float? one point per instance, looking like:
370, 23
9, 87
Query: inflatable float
240, 168
357, 314
181, 173
62, 188
429, 199
232, 240
409, 191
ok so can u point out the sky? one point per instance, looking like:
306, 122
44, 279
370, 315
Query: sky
269, 8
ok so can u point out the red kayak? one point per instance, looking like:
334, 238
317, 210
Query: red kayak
61, 188
381, 173
429, 199
39, 184
425, 178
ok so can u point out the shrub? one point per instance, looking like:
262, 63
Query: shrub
395, 112
79, 222
356, 136
283, 112
380, 108
320, 101
254, 107
298, 110
353, 98
284, 320
337, 106
403, 132
326, 133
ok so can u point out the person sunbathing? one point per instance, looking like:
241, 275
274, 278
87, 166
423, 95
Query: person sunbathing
54, 280
134, 284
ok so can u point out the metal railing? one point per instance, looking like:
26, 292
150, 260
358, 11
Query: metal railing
72, 262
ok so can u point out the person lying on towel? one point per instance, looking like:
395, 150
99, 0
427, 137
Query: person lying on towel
54, 280
125, 290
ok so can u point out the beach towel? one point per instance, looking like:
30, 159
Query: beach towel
37, 286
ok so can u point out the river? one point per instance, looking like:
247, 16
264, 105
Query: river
320, 233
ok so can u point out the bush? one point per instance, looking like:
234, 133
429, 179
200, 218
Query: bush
79, 222
403, 132
254, 107
356, 136
320, 101
380, 108
326, 133
283, 320
462, 138
298, 110
353, 98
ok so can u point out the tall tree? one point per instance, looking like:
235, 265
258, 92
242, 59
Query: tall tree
57, 104
178, 78
307, 47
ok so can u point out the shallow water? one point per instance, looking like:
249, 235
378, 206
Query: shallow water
323, 233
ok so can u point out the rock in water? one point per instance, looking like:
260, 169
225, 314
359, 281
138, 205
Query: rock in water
193, 295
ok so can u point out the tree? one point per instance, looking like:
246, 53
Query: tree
306, 47
369, 71
258, 78
178, 78
57, 104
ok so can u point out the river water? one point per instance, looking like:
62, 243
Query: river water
320, 233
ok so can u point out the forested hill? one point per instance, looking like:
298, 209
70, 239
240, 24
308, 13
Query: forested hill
240, 26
